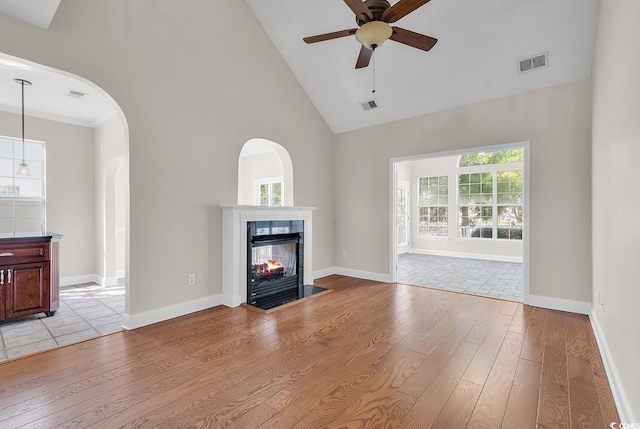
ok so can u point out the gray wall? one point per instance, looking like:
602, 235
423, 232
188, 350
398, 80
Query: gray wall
557, 122
193, 93
616, 153
69, 186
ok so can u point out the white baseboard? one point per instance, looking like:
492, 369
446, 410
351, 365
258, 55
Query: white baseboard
133, 321
367, 275
615, 381
561, 304
467, 255
324, 272
88, 278
107, 281
76, 280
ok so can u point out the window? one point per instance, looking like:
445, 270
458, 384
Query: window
475, 199
490, 158
269, 191
22, 199
433, 200
510, 203
490, 197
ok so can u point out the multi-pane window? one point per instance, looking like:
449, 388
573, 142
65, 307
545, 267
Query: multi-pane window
433, 200
269, 192
475, 200
22, 199
490, 199
510, 201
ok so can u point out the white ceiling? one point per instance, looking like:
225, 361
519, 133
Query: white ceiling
475, 59
36, 12
47, 96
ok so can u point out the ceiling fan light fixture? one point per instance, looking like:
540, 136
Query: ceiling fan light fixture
373, 34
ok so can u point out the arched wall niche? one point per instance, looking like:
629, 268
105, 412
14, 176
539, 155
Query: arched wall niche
260, 161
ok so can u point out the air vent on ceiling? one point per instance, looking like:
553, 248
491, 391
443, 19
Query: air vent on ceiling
75, 94
532, 63
368, 105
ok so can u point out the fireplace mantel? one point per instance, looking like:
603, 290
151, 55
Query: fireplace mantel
234, 245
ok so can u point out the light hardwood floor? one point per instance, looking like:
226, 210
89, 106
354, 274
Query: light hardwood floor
367, 355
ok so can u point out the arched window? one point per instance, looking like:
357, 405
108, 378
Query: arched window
265, 174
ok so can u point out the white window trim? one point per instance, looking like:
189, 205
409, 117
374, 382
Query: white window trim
267, 181
426, 236
42, 199
407, 187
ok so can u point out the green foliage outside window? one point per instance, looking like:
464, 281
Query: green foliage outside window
488, 158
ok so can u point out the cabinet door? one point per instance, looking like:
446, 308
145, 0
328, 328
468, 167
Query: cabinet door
27, 289
3, 299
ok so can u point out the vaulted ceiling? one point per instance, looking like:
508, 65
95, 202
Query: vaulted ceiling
476, 58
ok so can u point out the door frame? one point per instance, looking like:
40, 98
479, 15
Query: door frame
393, 202
404, 248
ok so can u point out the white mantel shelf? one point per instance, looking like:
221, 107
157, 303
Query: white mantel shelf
234, 245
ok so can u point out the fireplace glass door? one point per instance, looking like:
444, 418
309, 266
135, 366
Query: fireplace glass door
274, 262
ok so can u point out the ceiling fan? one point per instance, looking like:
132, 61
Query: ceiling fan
373, 18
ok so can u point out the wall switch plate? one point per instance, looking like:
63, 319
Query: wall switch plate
344, 253
192, 279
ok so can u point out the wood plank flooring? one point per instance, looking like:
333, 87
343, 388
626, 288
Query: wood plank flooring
368, 355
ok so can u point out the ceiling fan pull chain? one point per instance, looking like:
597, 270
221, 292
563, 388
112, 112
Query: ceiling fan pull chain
374, 70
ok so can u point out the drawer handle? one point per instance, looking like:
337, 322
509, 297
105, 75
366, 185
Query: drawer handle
6, 254
9, 275
1, 277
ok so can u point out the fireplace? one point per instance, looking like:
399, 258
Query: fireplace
275, 262
237, 270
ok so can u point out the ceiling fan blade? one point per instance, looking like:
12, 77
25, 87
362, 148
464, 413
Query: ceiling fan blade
364, 57
360, 9
402, 8
329, 36
410, 38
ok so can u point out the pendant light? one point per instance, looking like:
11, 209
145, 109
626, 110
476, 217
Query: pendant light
23, 170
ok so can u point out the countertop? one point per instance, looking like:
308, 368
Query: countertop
8, 236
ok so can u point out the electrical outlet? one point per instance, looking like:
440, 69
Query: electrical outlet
199, 278
192, 279
344, 253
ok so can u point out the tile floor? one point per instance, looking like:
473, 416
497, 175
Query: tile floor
86, 310
473, 276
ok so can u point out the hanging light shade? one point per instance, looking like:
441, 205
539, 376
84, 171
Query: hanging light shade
23, 169
373, 34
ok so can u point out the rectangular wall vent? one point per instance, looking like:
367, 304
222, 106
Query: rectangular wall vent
368, 105
75, 94
532, 63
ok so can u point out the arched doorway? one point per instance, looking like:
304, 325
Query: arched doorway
86, 158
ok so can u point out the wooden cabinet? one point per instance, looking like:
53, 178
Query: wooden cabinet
29, 275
